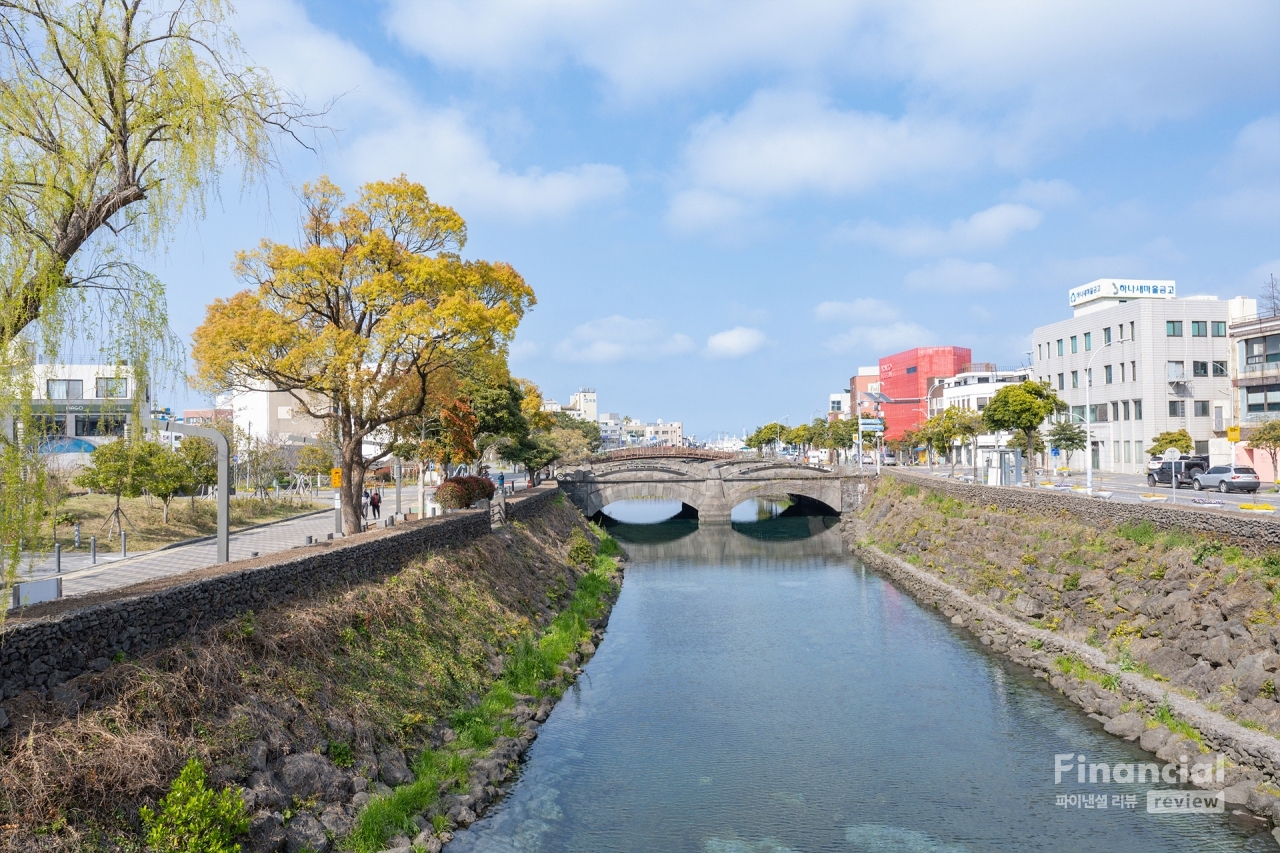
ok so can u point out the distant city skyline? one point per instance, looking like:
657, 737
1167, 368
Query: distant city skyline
726, 210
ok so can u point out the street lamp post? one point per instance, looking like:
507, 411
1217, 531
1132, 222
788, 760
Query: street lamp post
1088, 420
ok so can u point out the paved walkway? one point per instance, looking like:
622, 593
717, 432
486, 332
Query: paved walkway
79, 576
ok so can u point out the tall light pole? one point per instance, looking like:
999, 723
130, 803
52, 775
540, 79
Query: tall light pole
1088, 420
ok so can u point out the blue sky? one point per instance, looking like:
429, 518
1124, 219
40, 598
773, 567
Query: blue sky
726, 208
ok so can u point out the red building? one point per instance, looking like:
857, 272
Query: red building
905, 378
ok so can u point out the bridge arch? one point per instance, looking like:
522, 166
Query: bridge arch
602, 493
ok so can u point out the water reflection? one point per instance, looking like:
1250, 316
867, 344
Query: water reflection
759, 695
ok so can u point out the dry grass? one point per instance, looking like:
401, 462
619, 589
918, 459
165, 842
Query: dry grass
146, 527
382, 661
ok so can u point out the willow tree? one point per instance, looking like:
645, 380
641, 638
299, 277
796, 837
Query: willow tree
117, 118
356, 322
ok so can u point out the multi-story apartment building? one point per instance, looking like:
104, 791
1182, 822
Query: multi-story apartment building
1255, 381
1144, 362
906, 379
581, 405
268, 413
972, 388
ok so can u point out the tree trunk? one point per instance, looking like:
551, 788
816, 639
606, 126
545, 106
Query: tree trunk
353, 470
166, 510
1031, 456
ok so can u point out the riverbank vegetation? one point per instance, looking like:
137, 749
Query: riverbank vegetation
346, 677
1198, 612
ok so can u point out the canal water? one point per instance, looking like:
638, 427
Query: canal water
759, 691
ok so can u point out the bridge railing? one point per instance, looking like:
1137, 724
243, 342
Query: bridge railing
626, 453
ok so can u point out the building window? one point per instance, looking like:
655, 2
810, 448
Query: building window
1122, 368
1115, 413
1088, 376
1177, 408
1202, 408
1219, 328
1137, 450
1106, 373
1199, 329
1088, 341
112, 388
1202, 448
1199, 368
1219, 368
1137, 410
1133, 370
1059, 346
1125, 408
1115, 451
1127, 448
911, 370
1098, 413
1075, 379
65, 389
1040, 352
1077, 413
1062, 382
1173, 328
1262, 398
835, 405
1262, 350
1106, 335
100, 425
1176, 371
1074, 346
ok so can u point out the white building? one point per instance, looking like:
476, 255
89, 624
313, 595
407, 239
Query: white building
581, 405
658, 434
972, 390
267, 413
1147, 361
1255, 379
610, 429
86, 401
840, 406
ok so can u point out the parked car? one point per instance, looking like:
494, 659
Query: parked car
1191, 467
1227, 478
890, 458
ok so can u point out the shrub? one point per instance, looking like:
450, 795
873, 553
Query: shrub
451, 495
193, 818
580, 550
1071, 583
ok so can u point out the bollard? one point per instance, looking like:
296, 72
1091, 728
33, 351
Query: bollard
77, 536
311, 540
57, 557
124, 548
93, 550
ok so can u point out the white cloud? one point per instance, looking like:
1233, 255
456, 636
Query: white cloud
986, 229
703, 210
1051, 193
735, 342
889, 337
1252, 169
953, 275
781, 143
384, 128
862, 310
1059, 60
877, 327
616, 337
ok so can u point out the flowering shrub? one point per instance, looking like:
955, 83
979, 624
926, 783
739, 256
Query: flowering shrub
461, 492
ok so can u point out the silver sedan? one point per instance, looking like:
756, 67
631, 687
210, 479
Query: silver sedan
1228, 478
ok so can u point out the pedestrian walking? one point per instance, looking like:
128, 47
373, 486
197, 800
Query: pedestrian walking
502, 482
375, 504
364, 504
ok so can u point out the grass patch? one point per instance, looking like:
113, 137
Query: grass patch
1071, 582
911, 490
1163, 715
1140, 532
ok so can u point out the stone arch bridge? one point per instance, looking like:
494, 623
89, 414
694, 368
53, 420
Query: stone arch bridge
708, 483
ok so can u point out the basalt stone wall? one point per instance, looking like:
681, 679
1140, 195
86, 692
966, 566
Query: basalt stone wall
44, 652
1257, 529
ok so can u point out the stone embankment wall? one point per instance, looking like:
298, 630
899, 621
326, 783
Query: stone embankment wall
1259, 530
42, 653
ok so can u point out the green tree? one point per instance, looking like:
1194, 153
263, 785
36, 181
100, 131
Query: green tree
1068, 437
1018, 441
117, 468
967, 425
1266, 438
167, 473
200, 455
357, 322
589, 430
1179, 439
1023, 408
770, 433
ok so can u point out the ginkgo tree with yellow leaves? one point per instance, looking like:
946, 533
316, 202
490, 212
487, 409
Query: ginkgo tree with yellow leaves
357, 321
